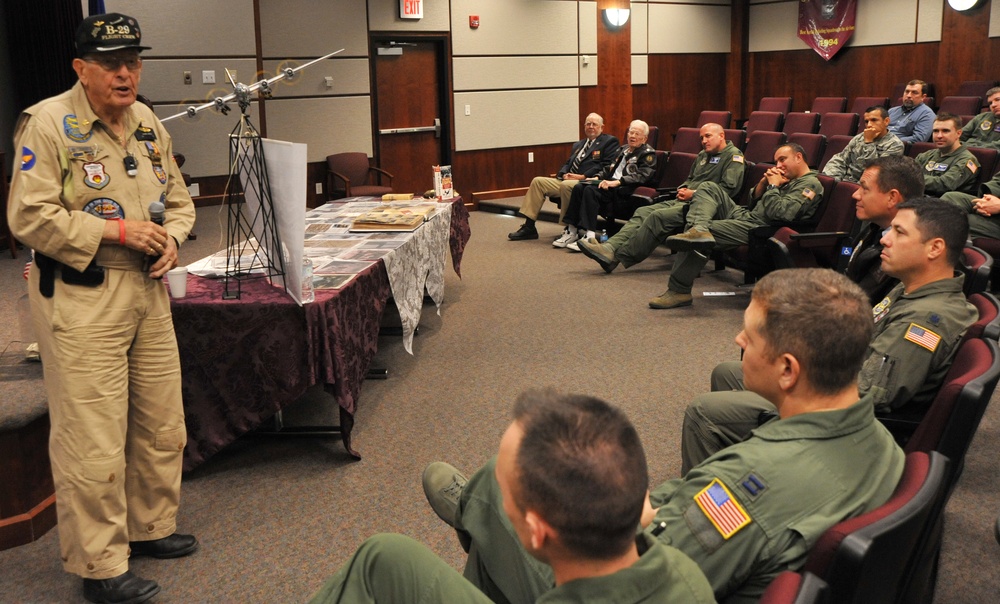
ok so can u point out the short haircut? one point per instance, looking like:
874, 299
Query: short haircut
641, 125
949, 117
581, 466
882, 113
597, 115
936, 218
898, 172
921, 83
796, 148
820, 317
992, 91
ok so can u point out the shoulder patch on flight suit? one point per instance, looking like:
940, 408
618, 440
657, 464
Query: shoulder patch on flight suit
923, 337
71, 128
753, 485
738, 158
649, 158
808, 193
722, 509
27, 159
880, 310
971, 165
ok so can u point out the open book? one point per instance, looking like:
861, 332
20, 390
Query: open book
393, 218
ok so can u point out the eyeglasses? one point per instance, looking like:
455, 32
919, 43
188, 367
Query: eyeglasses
110, 62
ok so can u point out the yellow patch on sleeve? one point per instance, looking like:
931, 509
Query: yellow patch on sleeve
921, 336
725, 513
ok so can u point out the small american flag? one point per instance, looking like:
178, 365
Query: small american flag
722, 509
922, 337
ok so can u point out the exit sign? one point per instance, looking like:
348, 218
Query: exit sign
411, 9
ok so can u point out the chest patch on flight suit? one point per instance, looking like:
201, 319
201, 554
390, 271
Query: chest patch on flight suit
144, 133
880, 310
714, 160
723, 511
753, 485
71, 128
27, 159
161, 175
96, 177
922, 336
933, 166
104, 207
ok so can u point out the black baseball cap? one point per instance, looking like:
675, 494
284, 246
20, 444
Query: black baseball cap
104, 33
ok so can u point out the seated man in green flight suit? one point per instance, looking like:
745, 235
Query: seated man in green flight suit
918, 327
754, 509
557, 448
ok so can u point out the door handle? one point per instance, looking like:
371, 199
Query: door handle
436, 129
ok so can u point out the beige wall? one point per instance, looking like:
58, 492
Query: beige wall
516, 118
686, 28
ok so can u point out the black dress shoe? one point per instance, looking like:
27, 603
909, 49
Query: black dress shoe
126, 588
174, 546
527, 231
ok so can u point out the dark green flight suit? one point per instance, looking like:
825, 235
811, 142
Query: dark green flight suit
398, 570
915, 340
792, 481
979, 225
731, 224
982, 131
651, 225
956, 171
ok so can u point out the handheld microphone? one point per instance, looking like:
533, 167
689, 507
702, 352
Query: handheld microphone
156, 212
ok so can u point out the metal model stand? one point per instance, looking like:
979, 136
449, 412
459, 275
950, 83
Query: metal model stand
248, 180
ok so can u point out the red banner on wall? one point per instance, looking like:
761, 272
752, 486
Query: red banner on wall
826, 25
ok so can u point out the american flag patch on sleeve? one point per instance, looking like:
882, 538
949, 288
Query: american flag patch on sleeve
922, 337
722, 509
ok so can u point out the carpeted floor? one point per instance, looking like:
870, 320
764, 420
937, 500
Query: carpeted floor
278, 516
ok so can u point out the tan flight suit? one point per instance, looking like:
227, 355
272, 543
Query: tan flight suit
109, 354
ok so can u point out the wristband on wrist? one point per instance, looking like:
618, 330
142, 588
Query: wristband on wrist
121, 231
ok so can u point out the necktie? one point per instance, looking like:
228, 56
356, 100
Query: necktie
578, 158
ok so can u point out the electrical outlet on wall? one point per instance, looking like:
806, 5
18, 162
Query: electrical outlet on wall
319, 188
531, 157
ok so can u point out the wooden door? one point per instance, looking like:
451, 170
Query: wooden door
411, 107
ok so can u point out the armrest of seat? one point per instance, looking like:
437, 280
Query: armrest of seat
381, 173
815, 240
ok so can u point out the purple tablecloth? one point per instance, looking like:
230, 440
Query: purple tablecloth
244, 360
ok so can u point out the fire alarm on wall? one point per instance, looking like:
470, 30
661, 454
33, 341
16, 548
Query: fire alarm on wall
474, 21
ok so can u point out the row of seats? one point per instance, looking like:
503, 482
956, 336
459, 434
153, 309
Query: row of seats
838, 104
